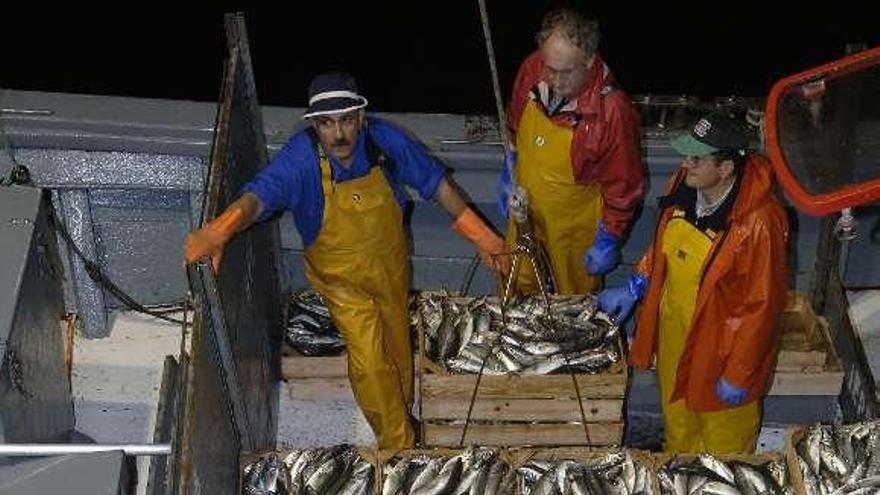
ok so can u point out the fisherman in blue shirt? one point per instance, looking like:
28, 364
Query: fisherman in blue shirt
342, 178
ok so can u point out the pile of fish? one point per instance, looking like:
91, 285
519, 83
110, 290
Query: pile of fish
707, 474
527, 337
476, 471
840, 459
338, 470
613, 473
309, 327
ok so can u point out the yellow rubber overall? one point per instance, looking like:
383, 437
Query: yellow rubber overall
564, 214
359, 265
718, 432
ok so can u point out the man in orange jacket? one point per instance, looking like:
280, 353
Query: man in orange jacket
342, 178
714, 283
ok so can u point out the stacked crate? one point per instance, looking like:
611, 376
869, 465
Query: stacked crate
807, 363
520, 410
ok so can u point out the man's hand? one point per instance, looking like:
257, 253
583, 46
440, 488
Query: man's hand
730, 393
210, 240
207, 241
618, 302
491, 247
604, 254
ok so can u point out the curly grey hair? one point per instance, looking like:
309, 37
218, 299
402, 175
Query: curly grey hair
579, 30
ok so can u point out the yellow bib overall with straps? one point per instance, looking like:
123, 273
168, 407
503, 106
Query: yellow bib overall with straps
731, 430
564, 214
359, 265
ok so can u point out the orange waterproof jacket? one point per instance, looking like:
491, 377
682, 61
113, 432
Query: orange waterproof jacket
605, 148
733, 332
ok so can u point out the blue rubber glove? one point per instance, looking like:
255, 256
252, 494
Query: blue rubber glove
603, 255
730, 394
505, 185
618, 302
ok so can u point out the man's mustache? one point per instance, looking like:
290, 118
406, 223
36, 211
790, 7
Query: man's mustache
340, 142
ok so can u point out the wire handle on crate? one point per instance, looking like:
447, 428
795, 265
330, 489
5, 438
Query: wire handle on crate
522, 252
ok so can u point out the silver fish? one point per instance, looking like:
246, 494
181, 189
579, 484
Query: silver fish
716, 466
832, 461
546, 485
482, 321
331, 474
304, 460
779, 472
394, 479
541, 348
749, 481
475, 352
811, 483
544, 367
465, 329
360, 482
562, 469
510, 364
719, 488
427, 475
810, 449
447, 338
445, 480
494, 477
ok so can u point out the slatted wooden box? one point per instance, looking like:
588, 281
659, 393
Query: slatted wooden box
385, 458
807, 363
520, 410
793, 437
316, 378
756, 459
520, 456
369, 454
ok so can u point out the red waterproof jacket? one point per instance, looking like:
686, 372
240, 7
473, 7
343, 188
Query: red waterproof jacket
605, 148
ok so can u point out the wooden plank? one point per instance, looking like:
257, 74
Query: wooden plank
523, 409
524, 434
799, 383
788, 360
320, 389
799, 325
294, 367
524, 386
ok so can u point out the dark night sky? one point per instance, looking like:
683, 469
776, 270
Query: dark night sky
416, 55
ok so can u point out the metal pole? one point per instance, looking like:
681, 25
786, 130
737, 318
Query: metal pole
496, 86
42, 449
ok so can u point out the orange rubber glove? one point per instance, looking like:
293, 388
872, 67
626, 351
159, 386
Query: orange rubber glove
491, 247
210, 239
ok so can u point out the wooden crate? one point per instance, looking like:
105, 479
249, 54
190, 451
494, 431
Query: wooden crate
799, 325
520, 410
793, 436
661, 459
315, 378
809, 366
385, 456
369, 454
520, 456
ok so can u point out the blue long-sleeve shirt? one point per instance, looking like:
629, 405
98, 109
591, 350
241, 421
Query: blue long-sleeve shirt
292, 180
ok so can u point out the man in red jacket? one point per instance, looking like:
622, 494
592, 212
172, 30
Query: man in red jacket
576, 139
714, 282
